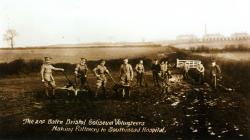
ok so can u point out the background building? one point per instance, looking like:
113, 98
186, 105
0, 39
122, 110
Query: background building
187, 38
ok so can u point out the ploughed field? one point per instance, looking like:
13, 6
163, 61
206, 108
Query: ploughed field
72, 55
187, 111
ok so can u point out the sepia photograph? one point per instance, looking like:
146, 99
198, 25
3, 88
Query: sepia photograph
125, 69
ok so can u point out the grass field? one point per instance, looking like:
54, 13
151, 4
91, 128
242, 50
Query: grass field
72, 55
235, 56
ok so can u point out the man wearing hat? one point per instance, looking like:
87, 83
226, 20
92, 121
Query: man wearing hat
139, 68
201, 71
100, 71
126, 76
156, 68
47, 77
214, 73
164, 69
185, 71
81, 72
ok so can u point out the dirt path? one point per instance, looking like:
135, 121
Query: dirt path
187, 111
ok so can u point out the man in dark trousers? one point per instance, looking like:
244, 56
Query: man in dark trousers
201, 73
81, 72
139, 68
156, 68
100, 73
185, 71
214, 74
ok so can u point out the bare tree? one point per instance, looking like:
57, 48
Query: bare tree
9, 36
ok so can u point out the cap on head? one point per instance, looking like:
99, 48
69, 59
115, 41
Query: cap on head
47, 58
83, 59
213, 59
102, 60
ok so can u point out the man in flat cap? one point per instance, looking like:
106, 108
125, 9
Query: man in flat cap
201, 70
47, 77
156, 68
81, 71
163, 71
185, 71
139, 68
100, 71
126, 76
215, 72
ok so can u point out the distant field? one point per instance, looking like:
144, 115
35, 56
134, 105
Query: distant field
238, 56
72, 55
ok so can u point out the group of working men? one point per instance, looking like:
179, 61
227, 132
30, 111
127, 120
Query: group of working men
214, 75
81, 73
160, 72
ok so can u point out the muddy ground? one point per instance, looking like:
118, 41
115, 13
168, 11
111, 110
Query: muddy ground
187, 111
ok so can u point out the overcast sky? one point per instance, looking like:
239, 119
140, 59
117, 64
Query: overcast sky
45, 22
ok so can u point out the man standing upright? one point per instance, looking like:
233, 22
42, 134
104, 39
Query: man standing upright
166, 66
185, 71
168, 72
47, 77
81, 72
139, 68
201, 71
100, 71
164, 69
164, 76
155, 71
126, 76
214, 73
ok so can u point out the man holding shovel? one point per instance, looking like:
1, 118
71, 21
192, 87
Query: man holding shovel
100, 71
215, 71
81, 72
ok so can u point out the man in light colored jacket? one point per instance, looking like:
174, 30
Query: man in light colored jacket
47, 77
126, 76
139, 68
